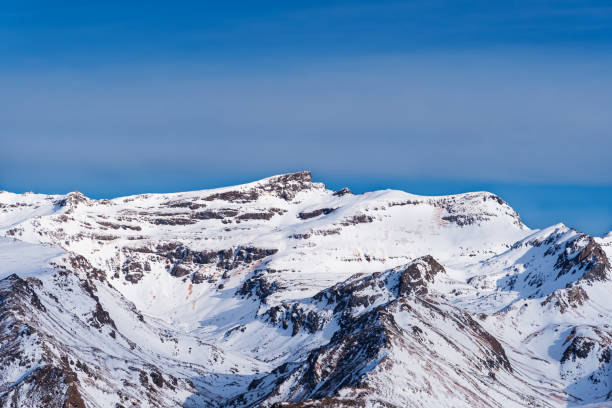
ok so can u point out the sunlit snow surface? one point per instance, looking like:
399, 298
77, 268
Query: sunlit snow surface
25, 259
216, 333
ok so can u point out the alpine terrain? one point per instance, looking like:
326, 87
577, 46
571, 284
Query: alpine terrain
283, 293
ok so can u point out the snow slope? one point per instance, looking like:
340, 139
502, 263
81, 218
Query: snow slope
282, 291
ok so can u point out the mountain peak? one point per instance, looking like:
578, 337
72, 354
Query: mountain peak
285, 186
73, 199
300, 177
283, 285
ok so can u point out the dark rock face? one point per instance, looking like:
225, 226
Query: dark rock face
73, 199
101, 317
579, 348
258, 286
183, 261
460, 219
197, 278
157, 379
565, 299
79, 263
285, 186
357, 219
415, 276
173, 220
183, 204
199, 212
591, 258
297, 316
339, 363
15, 289
108, 224
288, 185
229, 259
216, 215
48, 386
234, 196
52, 384
179, 271
315, 213
343, 192
261, 215
133, 270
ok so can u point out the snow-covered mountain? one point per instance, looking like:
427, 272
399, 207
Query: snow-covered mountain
283, 293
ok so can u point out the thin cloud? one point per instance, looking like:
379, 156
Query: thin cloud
483, 116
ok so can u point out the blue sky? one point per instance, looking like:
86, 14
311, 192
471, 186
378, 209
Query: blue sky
432, 97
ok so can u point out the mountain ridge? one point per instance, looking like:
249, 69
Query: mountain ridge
245, 295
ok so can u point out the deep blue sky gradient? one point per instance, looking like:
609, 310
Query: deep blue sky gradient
432, 97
